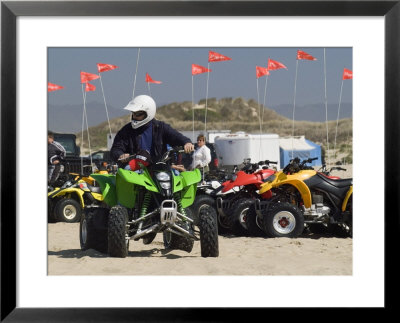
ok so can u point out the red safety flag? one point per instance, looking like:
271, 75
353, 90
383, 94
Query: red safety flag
90, 87
150, 80
105, 67
86, 77
275, 65
304, 55
216, 57
53, 87
261, 71
197, 69
347, 74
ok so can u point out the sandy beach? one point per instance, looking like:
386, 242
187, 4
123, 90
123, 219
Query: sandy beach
310, 254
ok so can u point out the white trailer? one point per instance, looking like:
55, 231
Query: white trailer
210, 134
233, 149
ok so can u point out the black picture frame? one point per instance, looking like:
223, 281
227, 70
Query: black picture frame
10, 10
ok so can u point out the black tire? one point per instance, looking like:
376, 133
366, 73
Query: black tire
50, 211
173, 241
118, 242
317, 228
93, 231
225, 223
68, 210
208, 226
201, 201
284, 220
240, 209
254, 223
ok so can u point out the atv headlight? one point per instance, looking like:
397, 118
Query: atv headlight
163, 176
165, 185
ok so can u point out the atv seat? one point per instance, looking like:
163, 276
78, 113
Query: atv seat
94, 189
339, 183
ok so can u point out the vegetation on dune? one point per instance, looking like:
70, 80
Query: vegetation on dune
235, 114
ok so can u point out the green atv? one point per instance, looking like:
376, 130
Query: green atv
143, 203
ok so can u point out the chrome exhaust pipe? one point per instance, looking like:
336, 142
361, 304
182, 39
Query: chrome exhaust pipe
186, 233
144, 232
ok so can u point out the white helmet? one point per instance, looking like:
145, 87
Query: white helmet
142, 103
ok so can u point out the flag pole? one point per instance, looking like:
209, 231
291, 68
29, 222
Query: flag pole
134, 82
294, 103
337, 119
205, 115
105, 104
83, 123
326, 110
192, 110
259, 119
87, 129
148, 86
265, 95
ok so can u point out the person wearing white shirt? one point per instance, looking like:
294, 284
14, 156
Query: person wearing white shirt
202, 155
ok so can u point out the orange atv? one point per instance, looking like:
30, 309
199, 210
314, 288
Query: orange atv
303, 196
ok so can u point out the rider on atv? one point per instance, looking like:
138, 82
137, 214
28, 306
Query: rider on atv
144, 133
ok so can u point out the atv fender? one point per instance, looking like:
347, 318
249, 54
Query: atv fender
72, 191
107, 185
133, 177
303, 190
189, 186
346, 199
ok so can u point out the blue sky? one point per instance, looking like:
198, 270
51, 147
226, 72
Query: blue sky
172, 66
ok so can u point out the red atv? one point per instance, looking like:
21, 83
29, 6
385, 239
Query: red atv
243, 186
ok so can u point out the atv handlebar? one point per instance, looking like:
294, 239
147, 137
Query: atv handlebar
327, 172
295, 165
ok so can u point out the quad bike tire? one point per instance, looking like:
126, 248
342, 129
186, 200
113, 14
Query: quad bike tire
202, 200
118, 242
50, 211
240, 210
67, 210
284, 220
173, 241
93, 229
225, 223
317, 228
208, 226
254, 223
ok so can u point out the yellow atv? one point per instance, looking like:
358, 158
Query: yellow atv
66, 203
303, 196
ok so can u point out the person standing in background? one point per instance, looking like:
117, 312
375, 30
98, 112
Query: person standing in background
202, 155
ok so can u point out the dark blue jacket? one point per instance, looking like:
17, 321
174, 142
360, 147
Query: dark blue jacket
127, 140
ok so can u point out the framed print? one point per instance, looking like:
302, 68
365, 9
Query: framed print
29, 29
